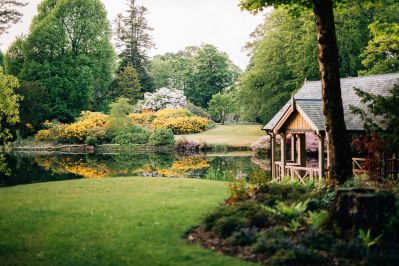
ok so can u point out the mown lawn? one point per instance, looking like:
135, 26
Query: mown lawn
232, 135
114, 221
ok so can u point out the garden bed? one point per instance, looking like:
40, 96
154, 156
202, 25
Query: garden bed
290, 224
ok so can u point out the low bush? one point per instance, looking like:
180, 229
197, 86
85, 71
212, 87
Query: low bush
132, 135
161, 137
96, 136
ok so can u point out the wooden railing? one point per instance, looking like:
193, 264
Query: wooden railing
358, 167
392, 168
302, 174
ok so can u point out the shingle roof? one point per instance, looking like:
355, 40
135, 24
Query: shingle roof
308, 98
313, 108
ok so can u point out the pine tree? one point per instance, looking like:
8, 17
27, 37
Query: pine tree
129, 85
134, 41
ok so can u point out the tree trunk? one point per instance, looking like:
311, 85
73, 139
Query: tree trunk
339, 149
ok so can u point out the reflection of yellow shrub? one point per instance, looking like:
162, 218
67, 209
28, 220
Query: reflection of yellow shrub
86, 171
70, 166
184, 125
182, 167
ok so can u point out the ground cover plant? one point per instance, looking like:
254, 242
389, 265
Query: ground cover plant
118, 221
292, 224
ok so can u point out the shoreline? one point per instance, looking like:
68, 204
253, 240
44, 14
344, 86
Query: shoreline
105, 148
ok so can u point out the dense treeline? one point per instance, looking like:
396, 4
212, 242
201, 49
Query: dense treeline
199, 71
284, 51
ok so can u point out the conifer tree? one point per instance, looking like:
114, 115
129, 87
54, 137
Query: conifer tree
133, 41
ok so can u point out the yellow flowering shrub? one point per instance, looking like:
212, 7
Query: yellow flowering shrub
43, 135
84, 125
180, 121
144, 118
77, 131
53, 132
184, 125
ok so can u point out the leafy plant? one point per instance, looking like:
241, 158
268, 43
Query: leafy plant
317, 219
288, 211
367, 239
294, 225
162, 137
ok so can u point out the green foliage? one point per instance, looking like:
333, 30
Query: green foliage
119, 120
221, 105
284, 51
213, 72
69, 55
127, 138
1, 59
386, 108
15, 57
162, 137
288, 211
128, 85
199, 71
317, 219
9, 104
367, 239
382, 52
161, 71
134, 40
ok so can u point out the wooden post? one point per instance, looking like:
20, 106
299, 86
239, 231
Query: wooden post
283, 154
321, 155
273, 159
302, 150
293, 147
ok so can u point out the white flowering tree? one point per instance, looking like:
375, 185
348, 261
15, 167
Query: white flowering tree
161, 99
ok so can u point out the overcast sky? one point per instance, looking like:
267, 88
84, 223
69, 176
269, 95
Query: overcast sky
177, 24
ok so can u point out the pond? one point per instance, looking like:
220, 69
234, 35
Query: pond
24, 168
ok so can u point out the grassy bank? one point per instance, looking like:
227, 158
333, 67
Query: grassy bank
118, 221
231, 135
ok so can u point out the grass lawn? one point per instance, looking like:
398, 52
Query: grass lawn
113, 221
232, 135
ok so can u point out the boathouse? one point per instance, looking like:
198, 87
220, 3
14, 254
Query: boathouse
303, 113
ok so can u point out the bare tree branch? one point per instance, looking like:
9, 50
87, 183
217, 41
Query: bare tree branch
9, 14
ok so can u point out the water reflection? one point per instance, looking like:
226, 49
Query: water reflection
22, 168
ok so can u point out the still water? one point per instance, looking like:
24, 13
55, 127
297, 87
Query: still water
24, 168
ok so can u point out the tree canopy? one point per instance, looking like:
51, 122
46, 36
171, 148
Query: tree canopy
67, 55
199, 71
9, 104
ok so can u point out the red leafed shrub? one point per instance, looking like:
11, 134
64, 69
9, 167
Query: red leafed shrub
371, 146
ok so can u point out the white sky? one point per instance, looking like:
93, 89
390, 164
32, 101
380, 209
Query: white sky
177, 24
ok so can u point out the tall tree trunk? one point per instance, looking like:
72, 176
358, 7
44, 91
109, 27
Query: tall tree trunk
339, 149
